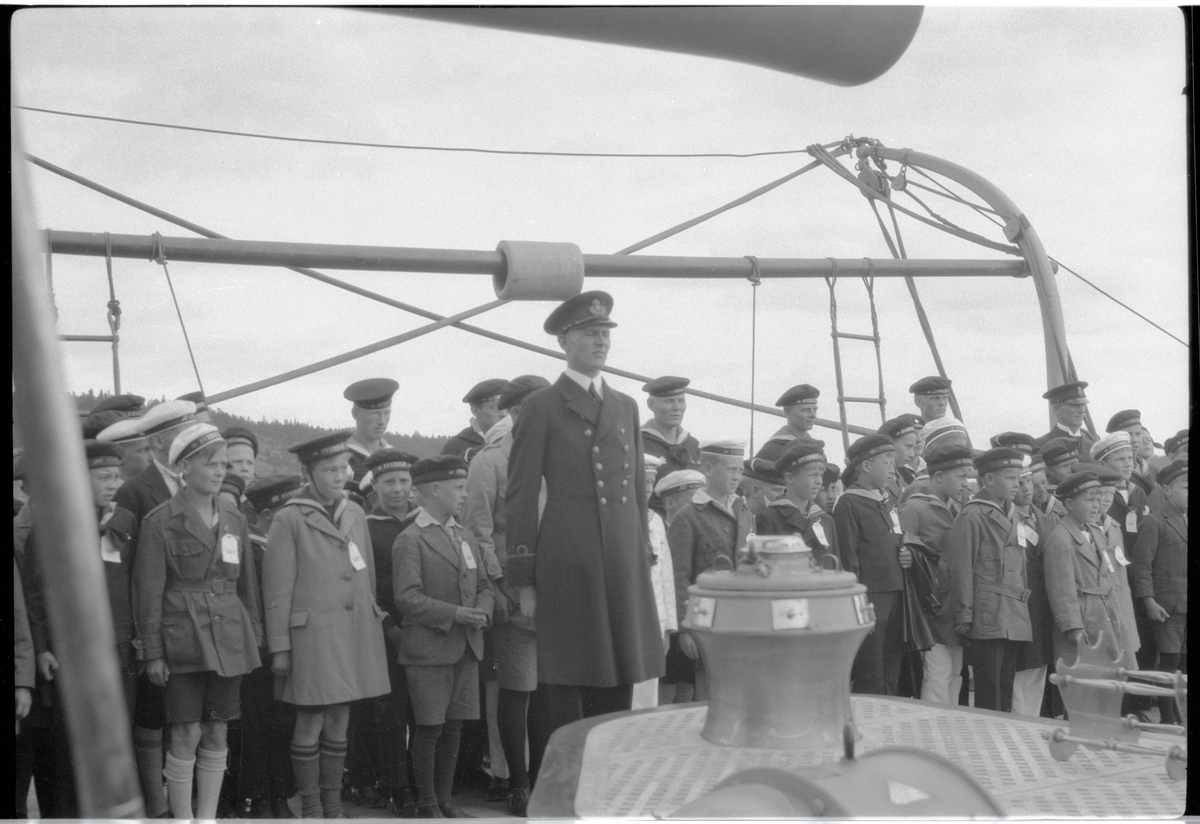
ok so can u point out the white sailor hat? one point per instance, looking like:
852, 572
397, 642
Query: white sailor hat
681, 480
126, 430
192, 440
940, 427
167, 415
1110, 443
725, 449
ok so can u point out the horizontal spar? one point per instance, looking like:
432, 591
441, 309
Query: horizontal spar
465, 262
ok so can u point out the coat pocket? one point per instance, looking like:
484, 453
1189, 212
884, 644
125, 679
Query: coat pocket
180, 645
298, 619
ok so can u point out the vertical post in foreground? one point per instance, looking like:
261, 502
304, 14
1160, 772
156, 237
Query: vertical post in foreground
76, 596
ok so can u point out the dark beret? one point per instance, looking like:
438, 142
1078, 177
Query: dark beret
519, 388
237, 434
665, 386
321, 447
933, 385
1002, 457
439, 468
372, 393
1076, 484
272, 491
485, 391
1123, 420
101, 454
868, 446
1016, 440
798, 394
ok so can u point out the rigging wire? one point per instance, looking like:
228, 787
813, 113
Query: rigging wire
981, 210
414, 147
159, 256
755, 282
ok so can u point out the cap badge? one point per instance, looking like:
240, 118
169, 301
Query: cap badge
597, 308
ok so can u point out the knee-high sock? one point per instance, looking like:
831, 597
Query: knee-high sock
512, 713
308, 778
446, 759
333, 764
148, 752
179, 785
1167, 714
499, 758
210, 773
424, 747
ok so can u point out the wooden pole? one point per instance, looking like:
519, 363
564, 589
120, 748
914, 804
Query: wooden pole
68, 541
465, 262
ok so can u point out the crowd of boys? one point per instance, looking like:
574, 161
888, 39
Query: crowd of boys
352, 616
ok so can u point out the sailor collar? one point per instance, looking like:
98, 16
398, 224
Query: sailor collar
312, 503
814, 511
701, 497
651, 431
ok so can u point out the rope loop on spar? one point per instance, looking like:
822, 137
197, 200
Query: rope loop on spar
158, 254
755, 282
114, 305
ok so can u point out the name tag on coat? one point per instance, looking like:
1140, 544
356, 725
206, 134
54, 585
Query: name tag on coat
356, 558
896, 524
819, 533
1131, 521
229, 548
109, 553
468, 556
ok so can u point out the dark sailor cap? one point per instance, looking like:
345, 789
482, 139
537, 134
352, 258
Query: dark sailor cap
950, 456
372, 393
196, 398
390, 460
1066, 392
801, 393
760, 469
1124, 419
235, 485
273, 491
101, 454
484, 391
1016, 440
129, 404
1172, 471
933, 385
832, 473
1002, 457
519, 388
1061, 451
241, 435
797, 454
583, 310
867, 447
901, 425
1176, 441
665, 387
439, 468
321, 447
1076, 484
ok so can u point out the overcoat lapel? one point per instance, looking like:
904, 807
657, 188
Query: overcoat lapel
1085, 549
610, 412
578, 400
316, 518
1175, 521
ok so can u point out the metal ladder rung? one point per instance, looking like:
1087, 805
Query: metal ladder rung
871, 338
877, 401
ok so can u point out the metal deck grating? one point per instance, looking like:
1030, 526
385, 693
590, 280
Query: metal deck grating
651, 764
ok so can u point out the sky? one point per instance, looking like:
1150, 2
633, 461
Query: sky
1075, 113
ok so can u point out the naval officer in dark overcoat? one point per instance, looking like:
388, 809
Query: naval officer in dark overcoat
583, 573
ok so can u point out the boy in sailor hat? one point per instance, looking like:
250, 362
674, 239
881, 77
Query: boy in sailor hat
869, 544
1081, 575
324, 628
801, 466
662, 576
1158, 574
136, 451
926, 518
1069, 403
484, 403
799, 405
1130, 420
932, 396
761, 484
715, 523
1029, 683
195, 602
678, 684
446, 600
989, 587
663, 435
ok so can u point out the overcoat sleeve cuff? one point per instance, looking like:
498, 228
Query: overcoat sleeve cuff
520, 571
279, 643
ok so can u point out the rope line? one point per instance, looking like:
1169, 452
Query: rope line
413, 147
755, 282
948, 191
1118, 302
159, 255
113, 315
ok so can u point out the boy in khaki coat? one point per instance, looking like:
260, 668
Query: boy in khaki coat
446, 599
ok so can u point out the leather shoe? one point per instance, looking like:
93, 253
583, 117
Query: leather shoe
518, 801
368, 797
497, 789
404, 803
452, 810
429, 811
280, 808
